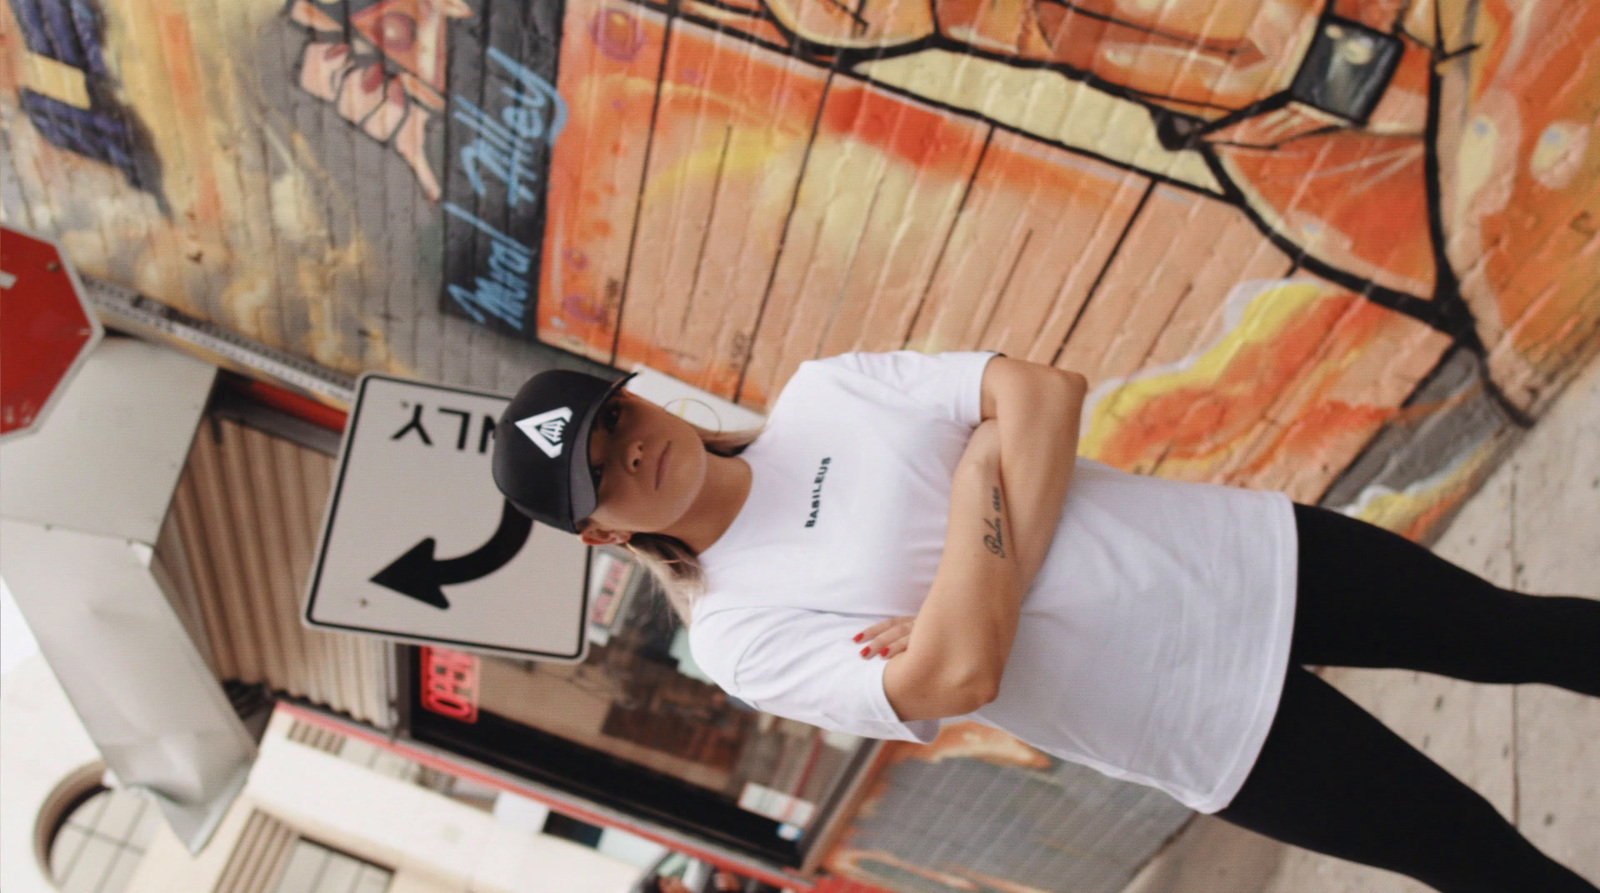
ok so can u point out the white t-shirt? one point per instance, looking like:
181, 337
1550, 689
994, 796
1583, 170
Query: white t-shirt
1152, 646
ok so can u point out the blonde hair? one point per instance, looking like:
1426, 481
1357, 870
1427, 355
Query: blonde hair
676, 567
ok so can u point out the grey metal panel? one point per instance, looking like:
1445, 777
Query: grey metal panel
108, 457
145, 694
1064, 828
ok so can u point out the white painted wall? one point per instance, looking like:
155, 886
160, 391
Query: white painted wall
41, 743
438, 844
16, 640
434, 844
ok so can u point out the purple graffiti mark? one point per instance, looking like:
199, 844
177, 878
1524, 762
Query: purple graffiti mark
66, 32
69, 31
617, 34
82, 131
582, 308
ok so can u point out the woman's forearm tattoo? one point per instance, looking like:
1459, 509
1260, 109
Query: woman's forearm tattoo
994, 540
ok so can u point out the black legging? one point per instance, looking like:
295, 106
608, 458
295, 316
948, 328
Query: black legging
1333, 779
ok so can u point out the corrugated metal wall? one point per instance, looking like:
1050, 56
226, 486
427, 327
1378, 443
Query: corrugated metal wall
237, 546
258, 857
1003, 821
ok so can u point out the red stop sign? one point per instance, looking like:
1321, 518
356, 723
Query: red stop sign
46, 329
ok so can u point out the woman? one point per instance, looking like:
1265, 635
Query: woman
1152, 630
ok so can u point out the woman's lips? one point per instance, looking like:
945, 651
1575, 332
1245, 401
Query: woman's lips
661, 464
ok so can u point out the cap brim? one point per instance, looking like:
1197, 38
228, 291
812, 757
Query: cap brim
580, 481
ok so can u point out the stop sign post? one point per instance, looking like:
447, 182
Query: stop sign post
46, 329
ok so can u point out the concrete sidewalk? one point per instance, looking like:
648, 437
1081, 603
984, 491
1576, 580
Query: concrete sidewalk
1533, 750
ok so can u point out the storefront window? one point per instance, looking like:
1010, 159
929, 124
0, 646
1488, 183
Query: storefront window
638, 700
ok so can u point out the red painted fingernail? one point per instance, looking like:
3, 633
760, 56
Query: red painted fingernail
884, 652
866, 651
858, 637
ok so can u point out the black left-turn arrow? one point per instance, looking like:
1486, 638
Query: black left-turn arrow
419, 575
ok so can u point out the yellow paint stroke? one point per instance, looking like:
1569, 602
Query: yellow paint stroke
750, 151
1416, 510
57, 80
1201, 408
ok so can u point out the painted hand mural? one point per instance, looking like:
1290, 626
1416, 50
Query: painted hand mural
1201, 59
382, 64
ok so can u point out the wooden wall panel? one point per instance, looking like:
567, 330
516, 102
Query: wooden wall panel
1037, 228
729, 146
610, 84
1179, 262
883, 181
1276, 400
727, 152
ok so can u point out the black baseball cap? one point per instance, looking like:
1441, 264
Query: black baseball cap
541, 446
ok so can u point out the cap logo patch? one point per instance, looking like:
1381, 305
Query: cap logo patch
547, 429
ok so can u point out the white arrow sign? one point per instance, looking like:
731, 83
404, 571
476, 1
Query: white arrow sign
418, 545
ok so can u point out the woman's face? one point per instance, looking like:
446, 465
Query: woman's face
651, 466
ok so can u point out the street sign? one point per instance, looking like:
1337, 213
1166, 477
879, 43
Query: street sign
418, 545
46, 329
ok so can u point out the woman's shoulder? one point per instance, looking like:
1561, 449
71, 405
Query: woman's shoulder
814, 373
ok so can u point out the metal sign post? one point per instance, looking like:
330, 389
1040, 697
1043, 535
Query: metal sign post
418, 545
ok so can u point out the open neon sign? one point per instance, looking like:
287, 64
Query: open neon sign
450, 684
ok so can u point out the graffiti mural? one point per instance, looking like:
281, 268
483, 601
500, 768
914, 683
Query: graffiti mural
1261, 228
722, 190
1354, 136
1257, 228
72, 99
381, 63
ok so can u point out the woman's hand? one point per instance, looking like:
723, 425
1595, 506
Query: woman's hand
888, 638
885, 638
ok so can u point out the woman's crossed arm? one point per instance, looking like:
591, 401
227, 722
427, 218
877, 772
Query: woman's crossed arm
1006, 500
1038, 409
